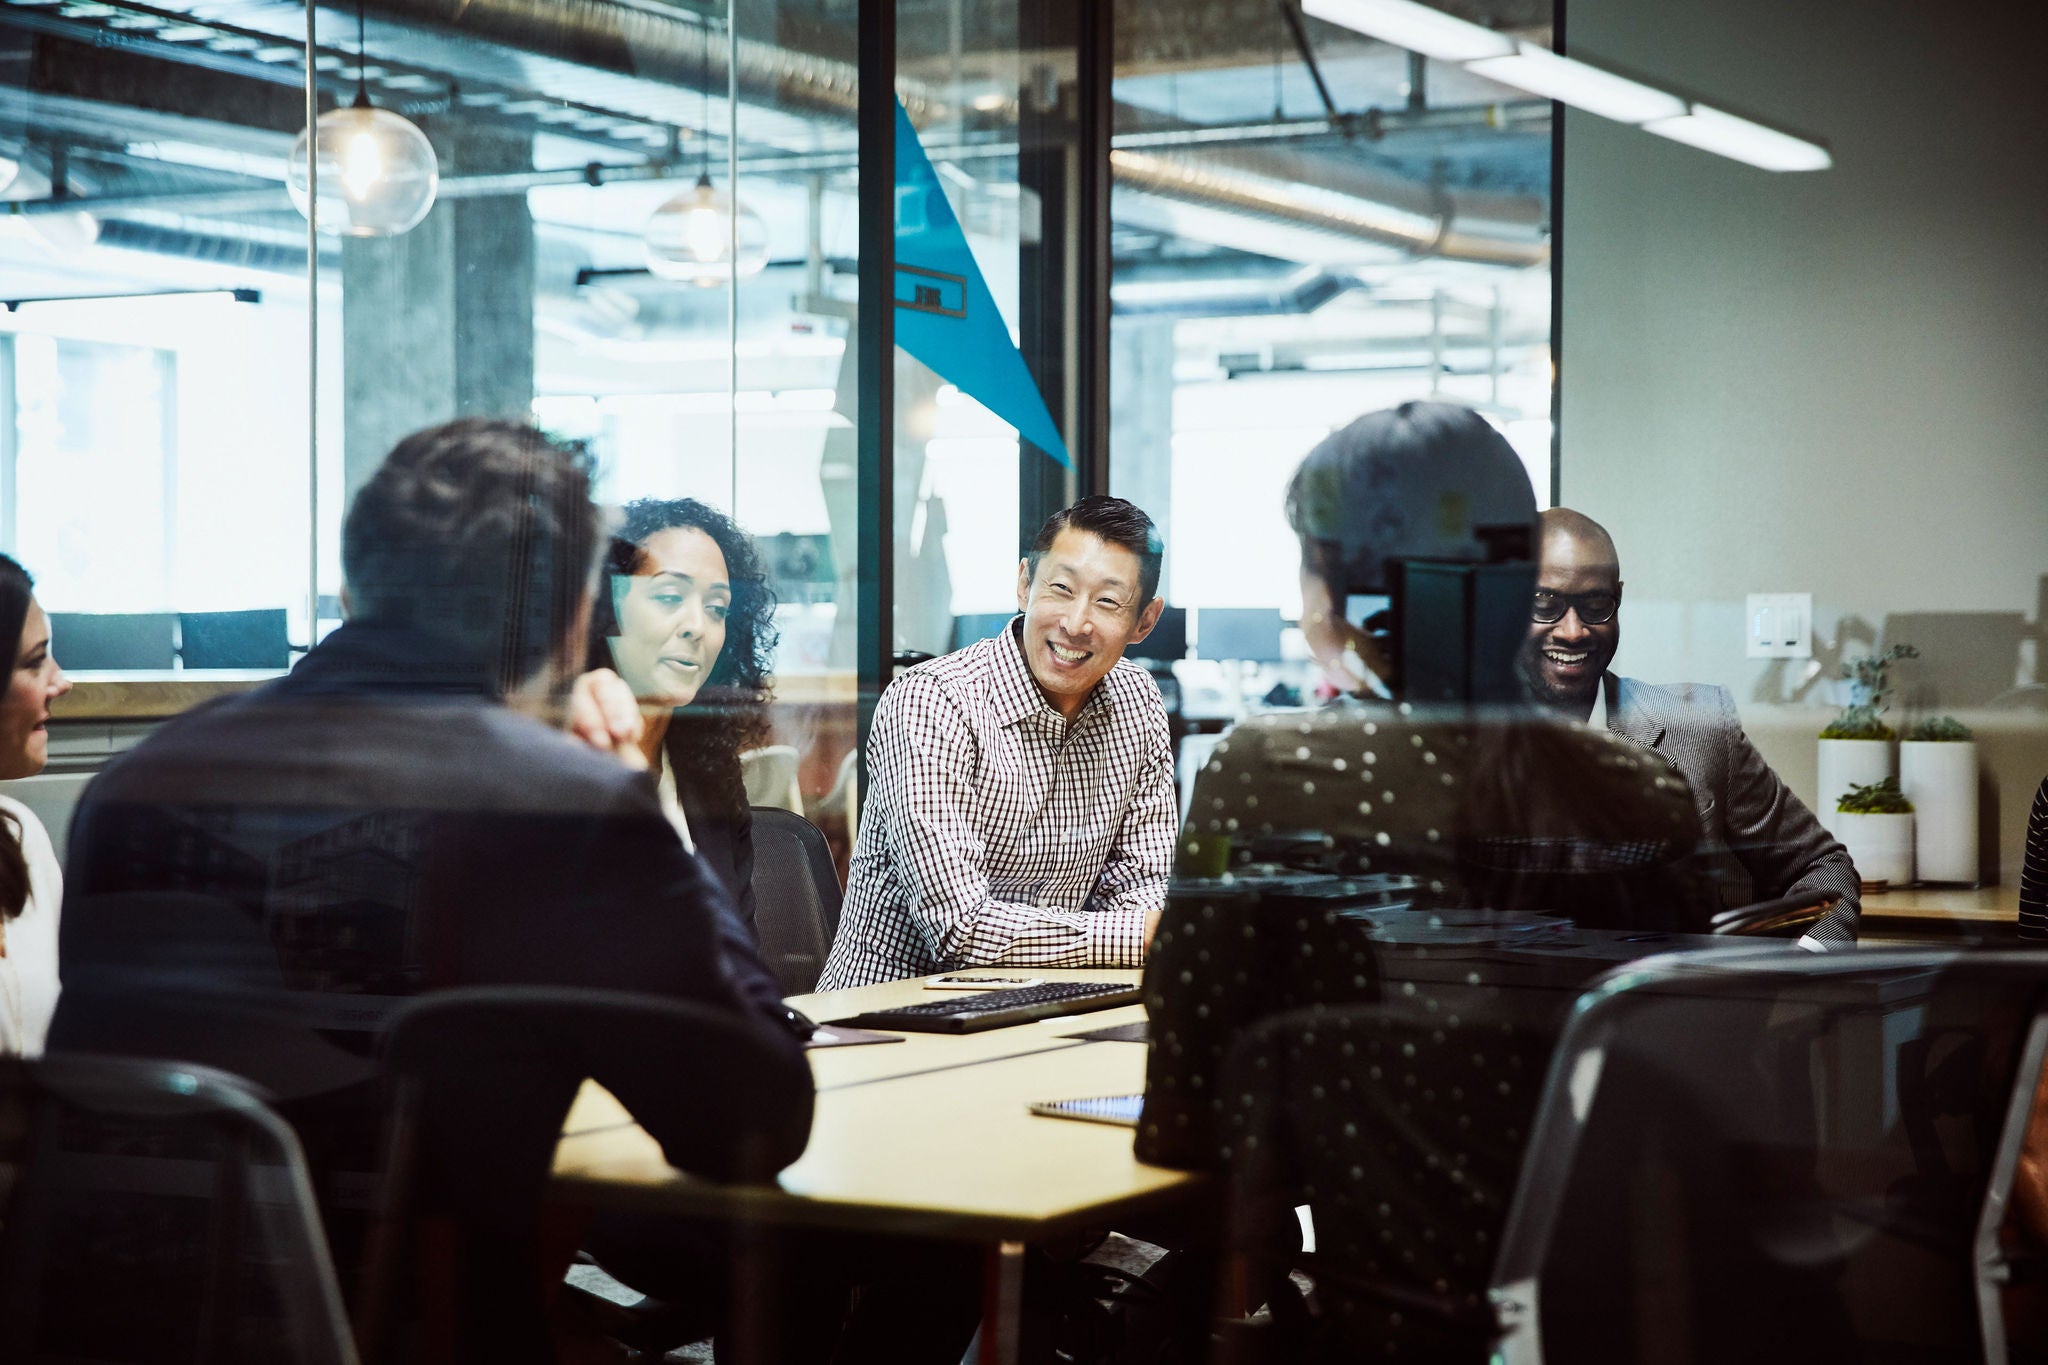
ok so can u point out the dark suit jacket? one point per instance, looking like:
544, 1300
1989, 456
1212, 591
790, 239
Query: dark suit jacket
725, 845
262, 881
1746, 812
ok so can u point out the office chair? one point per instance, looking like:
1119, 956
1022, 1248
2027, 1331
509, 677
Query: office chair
843, 799
483, 1078
1760, 1155
796, 897
124, 641
157, 1211
770, 776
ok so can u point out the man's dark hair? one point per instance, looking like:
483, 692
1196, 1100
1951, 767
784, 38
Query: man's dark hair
482, 534
1116, 521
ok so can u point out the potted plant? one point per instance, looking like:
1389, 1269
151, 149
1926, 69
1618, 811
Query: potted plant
1875, 823
1938, 774
1856, 746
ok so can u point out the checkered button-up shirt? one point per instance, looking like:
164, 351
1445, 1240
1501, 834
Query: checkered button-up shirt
996, 833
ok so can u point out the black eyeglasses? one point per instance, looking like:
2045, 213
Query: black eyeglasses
1594, 608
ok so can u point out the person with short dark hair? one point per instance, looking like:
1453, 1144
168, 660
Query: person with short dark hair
262, 881
1483, 803
1021, 807
1398, 1117
1762, 840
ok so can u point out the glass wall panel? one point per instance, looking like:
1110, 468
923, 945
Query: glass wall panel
153, 376
987, 96
1307, 225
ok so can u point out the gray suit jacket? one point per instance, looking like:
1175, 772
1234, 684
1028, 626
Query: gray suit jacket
1748, 815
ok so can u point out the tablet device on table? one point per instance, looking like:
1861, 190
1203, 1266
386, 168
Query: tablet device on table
1121, 1110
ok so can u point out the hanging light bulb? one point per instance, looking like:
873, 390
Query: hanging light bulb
702, 237
377, 171
378, 174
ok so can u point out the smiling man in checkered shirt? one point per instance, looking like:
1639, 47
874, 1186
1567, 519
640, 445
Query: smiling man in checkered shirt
1022, 810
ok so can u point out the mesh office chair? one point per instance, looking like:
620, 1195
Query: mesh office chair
155, 1211
796, 897
1757, 1156
484, 1077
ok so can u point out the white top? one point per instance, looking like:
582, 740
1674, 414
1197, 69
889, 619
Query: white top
665, 786
28, 973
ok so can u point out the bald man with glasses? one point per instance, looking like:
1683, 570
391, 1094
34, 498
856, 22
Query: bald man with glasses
1756, 831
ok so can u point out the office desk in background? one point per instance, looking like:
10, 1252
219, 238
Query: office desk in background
929, 1137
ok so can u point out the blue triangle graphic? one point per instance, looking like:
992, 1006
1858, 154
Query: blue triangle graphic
945, 315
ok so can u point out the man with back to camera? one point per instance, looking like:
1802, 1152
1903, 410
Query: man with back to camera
258, 883
1747, 813
1022, 808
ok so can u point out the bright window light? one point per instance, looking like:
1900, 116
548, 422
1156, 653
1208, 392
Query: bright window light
1713, 131
1415, 27
1540, 71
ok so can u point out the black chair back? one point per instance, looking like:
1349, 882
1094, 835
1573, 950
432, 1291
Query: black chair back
1758, 1154
484, 1078
156, 1211
796, 897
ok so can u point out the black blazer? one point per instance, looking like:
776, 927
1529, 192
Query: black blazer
725, 841
284, 867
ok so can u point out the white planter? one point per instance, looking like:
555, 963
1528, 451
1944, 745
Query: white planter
1881, 846
1940, 779
1845, 763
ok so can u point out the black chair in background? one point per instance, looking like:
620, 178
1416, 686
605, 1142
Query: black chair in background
127, 641
484, 1077
234, 639
796, 897
1752, 1153
153, 1212
1757, 1155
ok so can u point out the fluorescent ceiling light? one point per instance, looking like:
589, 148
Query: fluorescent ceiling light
1540, 71
1713, 131
1415, 27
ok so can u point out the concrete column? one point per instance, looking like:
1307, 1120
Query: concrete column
1141, 423
438, 323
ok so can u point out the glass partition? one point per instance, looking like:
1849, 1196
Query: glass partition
1307, 225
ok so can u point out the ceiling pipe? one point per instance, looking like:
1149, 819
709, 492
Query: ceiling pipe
622, 55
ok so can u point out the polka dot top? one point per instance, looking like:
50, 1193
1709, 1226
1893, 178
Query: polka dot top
1299, 816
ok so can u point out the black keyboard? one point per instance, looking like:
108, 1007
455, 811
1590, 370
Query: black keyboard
997, 1009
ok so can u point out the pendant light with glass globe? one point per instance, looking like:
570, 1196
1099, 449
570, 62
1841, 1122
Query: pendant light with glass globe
377, 171
704, 236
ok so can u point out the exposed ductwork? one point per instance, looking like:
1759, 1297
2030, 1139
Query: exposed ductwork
647, 63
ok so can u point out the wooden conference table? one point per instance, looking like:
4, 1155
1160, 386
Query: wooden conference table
930, 1136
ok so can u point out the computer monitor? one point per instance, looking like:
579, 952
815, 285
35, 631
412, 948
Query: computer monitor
87, 641
978, 626
234, 639
1168, 640
1248, 633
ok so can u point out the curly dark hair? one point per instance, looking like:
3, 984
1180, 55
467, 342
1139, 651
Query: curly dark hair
730, 712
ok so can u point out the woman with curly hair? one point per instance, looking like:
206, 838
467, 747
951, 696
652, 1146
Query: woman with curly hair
689, 623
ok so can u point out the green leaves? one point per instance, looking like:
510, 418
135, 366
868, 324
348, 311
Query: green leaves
1879, 798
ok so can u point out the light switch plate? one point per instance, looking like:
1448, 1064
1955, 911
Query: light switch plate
1779, 625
